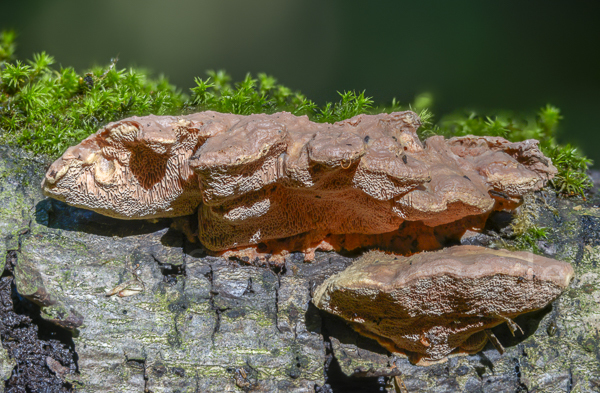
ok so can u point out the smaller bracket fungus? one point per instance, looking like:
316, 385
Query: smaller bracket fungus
433, 304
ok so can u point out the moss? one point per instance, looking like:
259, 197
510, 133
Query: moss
525, 229
45, 109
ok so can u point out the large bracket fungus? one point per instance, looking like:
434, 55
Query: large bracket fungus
281, 182
434, 304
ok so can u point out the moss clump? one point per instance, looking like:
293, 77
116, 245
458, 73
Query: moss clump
572, 178
528, 238
45, 110
265, 95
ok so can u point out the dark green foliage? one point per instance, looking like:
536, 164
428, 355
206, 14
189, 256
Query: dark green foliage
45, 110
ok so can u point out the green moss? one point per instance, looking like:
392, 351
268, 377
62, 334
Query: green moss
529, 238
45, 109
572, 178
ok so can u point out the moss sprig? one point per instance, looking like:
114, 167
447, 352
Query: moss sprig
572, 178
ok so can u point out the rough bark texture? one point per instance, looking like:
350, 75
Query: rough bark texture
204, 324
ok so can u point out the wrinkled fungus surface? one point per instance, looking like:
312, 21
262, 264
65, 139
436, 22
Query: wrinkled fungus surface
255, 180
433, 304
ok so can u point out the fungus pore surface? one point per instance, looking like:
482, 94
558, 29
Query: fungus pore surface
433, 304
283, 182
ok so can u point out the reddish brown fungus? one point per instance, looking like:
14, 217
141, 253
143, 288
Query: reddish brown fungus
262, 178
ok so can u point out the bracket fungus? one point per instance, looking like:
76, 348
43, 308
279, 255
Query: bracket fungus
281, 182
433, 304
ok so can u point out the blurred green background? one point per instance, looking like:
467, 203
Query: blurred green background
482, 55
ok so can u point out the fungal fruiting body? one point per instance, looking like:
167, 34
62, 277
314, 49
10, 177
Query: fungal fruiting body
283, 182
433, 304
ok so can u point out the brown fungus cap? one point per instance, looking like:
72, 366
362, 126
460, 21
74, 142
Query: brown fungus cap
134, 168
433, 304
262, 178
